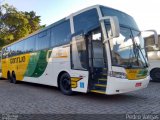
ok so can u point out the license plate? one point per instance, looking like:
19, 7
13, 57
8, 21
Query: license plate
138, 84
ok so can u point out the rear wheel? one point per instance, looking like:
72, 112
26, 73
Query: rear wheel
155, 74
14, 78
9, 78
65, 84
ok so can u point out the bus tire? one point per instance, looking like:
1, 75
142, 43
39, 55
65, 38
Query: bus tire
14, 78
155, 74
9, 77
65, 84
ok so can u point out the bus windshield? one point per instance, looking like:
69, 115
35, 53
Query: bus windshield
128, 49
123, 18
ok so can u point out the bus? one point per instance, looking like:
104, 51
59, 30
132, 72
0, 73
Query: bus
153, 57
96, 49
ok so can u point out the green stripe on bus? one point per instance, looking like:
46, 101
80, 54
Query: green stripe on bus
37, 64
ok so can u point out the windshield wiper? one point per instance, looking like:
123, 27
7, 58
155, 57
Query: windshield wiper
140, 49
137, 48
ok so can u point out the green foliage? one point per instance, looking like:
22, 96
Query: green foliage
16, 24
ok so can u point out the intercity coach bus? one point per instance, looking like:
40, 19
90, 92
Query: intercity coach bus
97, 49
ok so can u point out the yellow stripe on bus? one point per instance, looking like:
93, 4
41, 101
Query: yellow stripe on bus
18, 64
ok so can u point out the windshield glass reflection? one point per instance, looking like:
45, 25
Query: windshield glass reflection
126, 50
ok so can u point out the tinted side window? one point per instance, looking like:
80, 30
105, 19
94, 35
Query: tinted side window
43, 40
13, 50
60, 34
30, 44
4, 53
86, 20
20, 47
7, 51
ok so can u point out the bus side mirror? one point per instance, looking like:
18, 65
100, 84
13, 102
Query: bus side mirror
155, 36
115, 29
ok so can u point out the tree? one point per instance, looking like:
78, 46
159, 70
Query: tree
16, 24
33, 20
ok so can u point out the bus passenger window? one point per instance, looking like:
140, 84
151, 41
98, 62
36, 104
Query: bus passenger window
60, 34
43, 40
86, 20
30, 44
20, 47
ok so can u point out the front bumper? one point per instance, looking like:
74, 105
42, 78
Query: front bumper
117, 85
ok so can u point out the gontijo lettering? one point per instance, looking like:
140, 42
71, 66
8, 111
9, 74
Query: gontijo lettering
17, 60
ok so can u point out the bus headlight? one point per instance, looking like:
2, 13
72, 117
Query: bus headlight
118, 74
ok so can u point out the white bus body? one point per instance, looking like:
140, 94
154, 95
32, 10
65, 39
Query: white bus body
93, 50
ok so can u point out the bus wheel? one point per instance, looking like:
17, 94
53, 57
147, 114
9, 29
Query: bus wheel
65, 84
14, 78
9, 78
155, 74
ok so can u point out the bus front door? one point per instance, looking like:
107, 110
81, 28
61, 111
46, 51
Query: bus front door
97, 62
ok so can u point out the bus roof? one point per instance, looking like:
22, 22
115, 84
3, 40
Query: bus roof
53, 24
60, 21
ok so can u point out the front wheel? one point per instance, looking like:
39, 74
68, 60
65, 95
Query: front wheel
155, 74
65, 84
